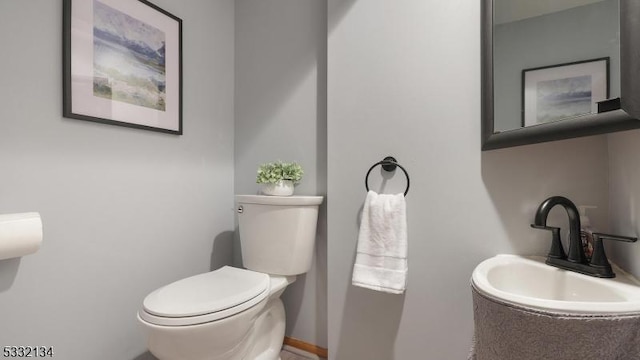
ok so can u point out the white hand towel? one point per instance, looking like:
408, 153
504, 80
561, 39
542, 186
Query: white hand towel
381, 259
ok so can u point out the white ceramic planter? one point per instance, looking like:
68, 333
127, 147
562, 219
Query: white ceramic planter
281, 188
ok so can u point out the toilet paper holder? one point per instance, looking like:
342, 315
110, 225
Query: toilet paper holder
20, 234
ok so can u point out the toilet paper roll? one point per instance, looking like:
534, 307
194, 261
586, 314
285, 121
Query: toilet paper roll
20, 234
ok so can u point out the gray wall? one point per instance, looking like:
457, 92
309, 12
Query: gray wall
404, 80
624, 189
124, 210
280, 113
582, 33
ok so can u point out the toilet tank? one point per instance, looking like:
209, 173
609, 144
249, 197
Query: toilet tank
277, 233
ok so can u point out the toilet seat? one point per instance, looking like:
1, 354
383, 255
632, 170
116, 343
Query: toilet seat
205, 297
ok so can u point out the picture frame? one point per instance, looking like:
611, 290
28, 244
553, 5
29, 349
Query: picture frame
122, 64
562, 91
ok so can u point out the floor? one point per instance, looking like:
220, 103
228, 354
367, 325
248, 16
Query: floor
287, 355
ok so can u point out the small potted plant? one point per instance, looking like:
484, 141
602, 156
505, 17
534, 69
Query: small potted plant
279, 178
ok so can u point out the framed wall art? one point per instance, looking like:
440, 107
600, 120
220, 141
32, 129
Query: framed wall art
563, 91
122, 64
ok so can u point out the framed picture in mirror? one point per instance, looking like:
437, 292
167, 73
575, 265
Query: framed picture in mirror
562, 91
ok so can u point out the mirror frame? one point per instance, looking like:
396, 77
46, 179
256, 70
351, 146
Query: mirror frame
625, 118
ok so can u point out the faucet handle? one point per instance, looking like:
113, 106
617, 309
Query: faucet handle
556, 251
615, 237
544, 227
599, 257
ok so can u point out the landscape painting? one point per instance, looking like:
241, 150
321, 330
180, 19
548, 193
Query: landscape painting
122, 64
563, 91
128, 59
563, 98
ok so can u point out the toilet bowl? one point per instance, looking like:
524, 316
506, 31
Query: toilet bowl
233, 313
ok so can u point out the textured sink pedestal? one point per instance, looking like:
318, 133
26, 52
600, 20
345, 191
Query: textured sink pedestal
525, 310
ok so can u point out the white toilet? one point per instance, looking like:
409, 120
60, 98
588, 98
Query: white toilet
232, 313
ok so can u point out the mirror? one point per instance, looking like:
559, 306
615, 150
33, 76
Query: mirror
558, 69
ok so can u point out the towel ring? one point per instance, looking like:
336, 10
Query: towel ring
388, 164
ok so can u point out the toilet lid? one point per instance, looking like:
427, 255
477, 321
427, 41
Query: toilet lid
221, 291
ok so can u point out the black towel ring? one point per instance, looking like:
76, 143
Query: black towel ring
388, 164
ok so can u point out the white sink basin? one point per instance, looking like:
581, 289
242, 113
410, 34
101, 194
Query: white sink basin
528, 281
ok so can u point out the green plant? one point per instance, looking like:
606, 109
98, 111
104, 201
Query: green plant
271, 173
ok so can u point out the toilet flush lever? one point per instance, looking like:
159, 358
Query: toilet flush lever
240, 209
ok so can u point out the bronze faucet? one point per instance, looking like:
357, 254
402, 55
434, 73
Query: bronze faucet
576, 260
